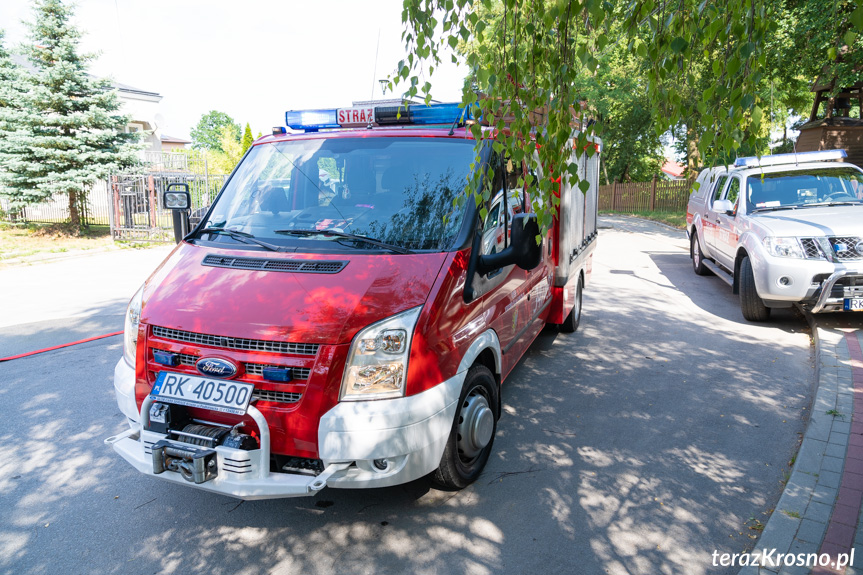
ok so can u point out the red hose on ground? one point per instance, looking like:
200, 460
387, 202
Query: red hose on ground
20, 355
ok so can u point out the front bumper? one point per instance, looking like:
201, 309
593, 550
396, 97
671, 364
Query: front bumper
362, 444
810, 282
830, 301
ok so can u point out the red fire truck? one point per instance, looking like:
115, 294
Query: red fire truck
338, 318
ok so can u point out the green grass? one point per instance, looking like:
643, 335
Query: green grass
674, 219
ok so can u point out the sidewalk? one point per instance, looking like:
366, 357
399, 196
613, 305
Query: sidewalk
820, 508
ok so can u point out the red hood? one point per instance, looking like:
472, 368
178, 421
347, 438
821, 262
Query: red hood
283, 306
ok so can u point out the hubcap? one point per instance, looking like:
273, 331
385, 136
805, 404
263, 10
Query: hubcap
476, 424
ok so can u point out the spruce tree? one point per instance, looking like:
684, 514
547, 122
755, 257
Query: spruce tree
247, 138
13, 87
75, 132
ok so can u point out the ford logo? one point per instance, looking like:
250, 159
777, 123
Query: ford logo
216, 367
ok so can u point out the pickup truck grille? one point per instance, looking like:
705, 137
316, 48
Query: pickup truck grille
236, 342
251, 368
810, 247
847, 248
840, 248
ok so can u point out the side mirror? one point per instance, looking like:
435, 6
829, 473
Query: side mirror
522, 251
723, 206
177, 197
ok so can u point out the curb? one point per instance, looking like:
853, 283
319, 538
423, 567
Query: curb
801, 518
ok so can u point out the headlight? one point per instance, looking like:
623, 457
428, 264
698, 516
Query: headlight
783, 247
378, 361
133, 320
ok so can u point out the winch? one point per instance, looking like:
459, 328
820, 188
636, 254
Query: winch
190, 451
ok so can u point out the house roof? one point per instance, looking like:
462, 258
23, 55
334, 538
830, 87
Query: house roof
173, 140
673, 169
24, 63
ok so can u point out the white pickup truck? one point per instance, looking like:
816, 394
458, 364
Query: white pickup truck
780, 230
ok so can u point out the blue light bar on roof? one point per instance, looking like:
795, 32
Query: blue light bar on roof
419, 114
413, 114
799, 158
311, 120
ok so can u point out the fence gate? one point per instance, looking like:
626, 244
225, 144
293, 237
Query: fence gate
137, 212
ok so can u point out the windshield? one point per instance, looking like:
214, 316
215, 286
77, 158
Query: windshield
396, 190
803, 188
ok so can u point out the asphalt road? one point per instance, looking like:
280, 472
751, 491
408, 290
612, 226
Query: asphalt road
640, 444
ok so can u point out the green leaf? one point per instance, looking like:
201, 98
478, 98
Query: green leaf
584, 185
747, 49
831, 53
849, 37
678, 45
857, 17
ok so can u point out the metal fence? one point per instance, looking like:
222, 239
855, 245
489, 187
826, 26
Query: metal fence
655, 196
137, 212
95, 209
131, 203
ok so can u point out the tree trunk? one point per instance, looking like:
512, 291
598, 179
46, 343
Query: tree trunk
693, 157
74, 216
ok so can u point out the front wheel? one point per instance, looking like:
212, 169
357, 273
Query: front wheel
751, 304
472, 434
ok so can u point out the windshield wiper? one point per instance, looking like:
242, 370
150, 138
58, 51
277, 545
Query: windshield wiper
368, 240
242, 237
774, 208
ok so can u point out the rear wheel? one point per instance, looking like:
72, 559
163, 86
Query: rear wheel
570, 324
472, 434
751, 304
697, 256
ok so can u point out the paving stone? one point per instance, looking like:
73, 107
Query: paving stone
834, 450
845, 515
830, 479
839, 534
819, 428
834, 464
838, 438
817, 512
824, 494
811, 531
810, 455
841, 425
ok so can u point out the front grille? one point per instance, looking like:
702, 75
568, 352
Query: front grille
810, 247
276, 265
236, 342
251, 368
847, 248
276, 396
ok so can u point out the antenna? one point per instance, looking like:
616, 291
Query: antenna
375, 72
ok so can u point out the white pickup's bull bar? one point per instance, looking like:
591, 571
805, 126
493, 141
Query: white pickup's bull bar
831, 303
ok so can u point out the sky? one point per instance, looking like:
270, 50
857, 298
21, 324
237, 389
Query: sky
252, 59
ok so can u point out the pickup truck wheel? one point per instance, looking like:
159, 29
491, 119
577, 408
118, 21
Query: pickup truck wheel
570, 324
697, 256
751, 304
472, 434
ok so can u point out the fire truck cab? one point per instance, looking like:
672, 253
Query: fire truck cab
339, 318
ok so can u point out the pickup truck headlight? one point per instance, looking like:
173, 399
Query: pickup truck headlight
378, 361
133, 320
783, 247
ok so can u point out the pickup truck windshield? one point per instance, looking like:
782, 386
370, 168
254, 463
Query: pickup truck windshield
803, 189
396, 190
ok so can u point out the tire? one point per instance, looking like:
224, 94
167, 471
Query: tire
570, 324
697, 255
751, 304
473, 429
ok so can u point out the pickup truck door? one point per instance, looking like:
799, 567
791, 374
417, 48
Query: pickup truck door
724, 247
709, 217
